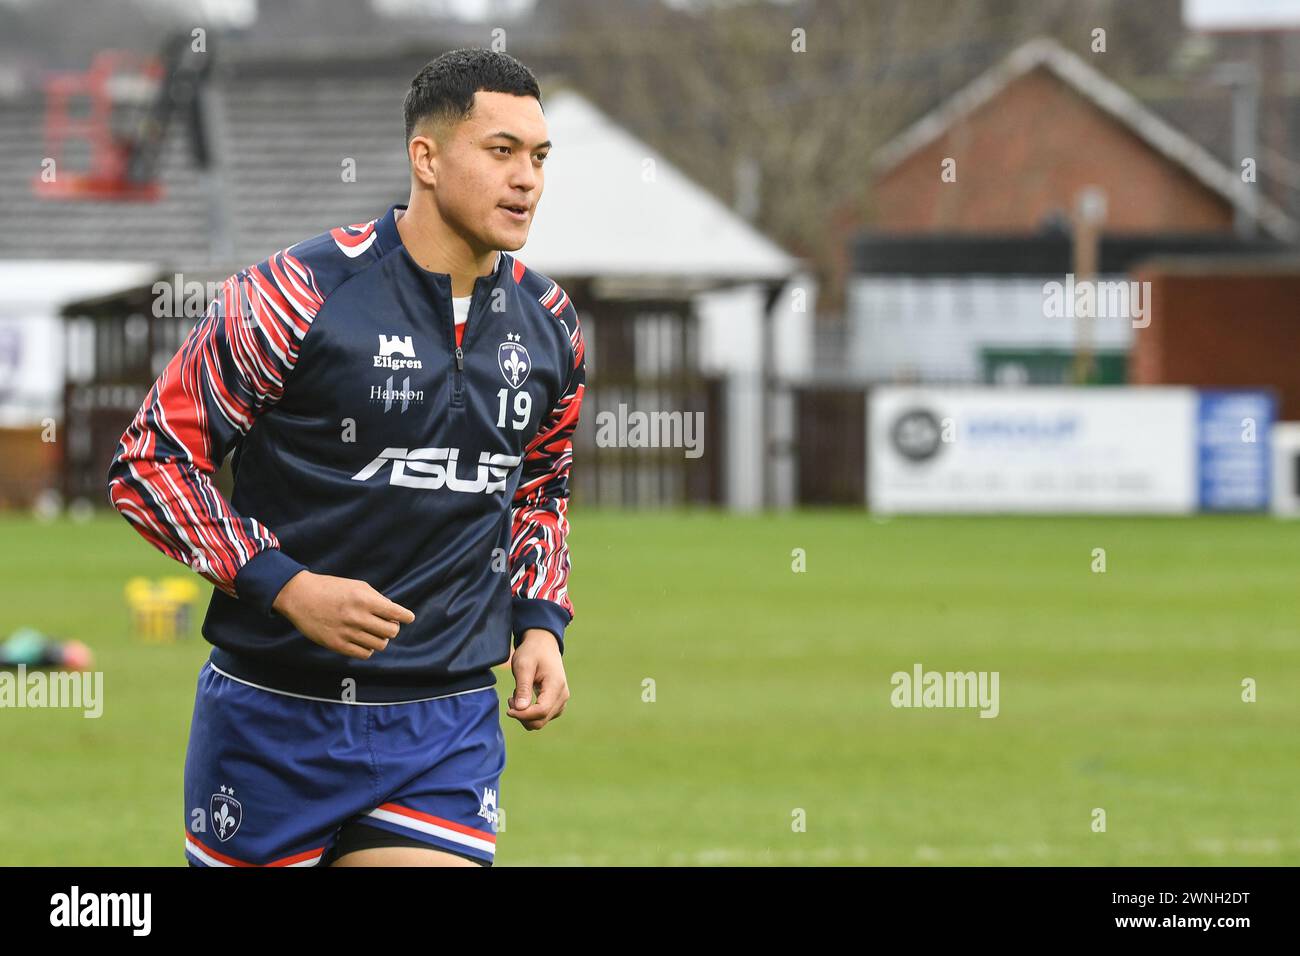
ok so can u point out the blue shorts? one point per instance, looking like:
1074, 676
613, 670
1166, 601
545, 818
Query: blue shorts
270, 778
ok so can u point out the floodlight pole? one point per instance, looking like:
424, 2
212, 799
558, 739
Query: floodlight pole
1090, 214
1243, 78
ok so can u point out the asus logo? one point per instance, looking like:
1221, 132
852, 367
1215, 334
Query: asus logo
434, 468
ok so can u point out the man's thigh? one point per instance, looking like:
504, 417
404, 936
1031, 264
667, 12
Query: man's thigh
361, 845
403, 856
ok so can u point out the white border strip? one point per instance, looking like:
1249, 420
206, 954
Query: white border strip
198, 852
424, 826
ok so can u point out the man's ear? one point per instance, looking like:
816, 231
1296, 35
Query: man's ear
422, 152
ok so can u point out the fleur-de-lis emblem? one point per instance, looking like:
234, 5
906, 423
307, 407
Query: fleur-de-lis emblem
514, 366
514, 361
226, 814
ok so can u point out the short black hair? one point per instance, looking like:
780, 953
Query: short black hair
445, 88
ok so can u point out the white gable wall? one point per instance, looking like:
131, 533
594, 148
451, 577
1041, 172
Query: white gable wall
933, 328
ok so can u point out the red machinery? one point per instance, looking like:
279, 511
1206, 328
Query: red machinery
104, 127
120, 87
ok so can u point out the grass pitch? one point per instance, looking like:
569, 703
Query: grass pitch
771, 738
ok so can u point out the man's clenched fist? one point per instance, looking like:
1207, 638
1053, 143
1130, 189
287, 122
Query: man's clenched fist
342, 614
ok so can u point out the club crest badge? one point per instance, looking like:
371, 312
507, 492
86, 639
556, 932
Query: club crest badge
513, 359
226, 813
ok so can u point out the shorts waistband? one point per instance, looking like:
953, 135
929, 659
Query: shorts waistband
331, 688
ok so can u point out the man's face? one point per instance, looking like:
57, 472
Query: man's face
490, 162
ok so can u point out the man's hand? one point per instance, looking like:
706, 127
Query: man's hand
537, 664
341, 614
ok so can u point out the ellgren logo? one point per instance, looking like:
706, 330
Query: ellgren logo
513, 359
435, 468
401, 345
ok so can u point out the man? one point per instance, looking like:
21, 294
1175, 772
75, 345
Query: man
400, 397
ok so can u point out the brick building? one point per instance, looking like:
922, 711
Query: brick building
974, 208
1222, 323
1031, 133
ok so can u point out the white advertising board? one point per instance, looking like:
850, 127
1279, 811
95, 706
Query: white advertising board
1035, 449
1286, 469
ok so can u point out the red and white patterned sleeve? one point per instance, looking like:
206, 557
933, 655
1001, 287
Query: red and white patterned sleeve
539, 553
231, 368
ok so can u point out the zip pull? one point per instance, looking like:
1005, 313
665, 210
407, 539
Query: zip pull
460, 360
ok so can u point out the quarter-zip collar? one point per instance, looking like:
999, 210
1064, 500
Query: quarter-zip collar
437, 285
390, 240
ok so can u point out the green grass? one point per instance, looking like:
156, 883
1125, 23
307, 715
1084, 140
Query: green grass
1119, 690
